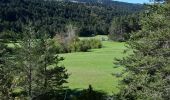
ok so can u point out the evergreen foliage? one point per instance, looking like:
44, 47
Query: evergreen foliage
122, 27
6, 74
148, 67
52, 16
37, 66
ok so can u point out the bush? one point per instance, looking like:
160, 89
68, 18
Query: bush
90, 94
84, 45
94, 43
77, 45
68, 94
74, 45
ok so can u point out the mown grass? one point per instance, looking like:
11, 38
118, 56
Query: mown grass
95, 67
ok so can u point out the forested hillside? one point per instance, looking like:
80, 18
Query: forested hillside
52, 16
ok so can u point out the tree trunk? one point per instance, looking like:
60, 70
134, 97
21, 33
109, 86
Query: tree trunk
30, 82
45, 67
30, 73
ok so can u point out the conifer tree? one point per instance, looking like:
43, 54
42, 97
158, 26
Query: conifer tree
148, 67
53, 76
38, 67
27, 62
6, 76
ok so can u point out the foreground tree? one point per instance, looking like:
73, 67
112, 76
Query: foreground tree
52, 76
27, 62
148, 67
37, 63
6, 75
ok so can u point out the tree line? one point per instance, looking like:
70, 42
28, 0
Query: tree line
52, 16
122, 27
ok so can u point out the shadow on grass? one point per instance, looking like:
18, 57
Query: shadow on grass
68, 94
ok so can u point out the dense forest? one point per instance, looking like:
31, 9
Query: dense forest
122, 27
52, 17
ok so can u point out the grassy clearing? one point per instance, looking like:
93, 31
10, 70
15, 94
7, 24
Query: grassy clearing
95, 67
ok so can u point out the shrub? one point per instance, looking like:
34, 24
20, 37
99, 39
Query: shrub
94, 43
84, 45
77, 45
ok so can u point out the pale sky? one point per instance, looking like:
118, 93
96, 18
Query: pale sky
134, 1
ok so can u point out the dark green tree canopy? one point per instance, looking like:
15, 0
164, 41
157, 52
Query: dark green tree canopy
53, 16
148, 67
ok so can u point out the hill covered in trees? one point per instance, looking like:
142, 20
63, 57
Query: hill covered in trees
106, 2
51, 16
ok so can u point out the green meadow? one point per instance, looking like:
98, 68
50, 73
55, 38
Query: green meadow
95, 67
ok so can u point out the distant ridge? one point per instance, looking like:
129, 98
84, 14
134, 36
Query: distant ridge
108, 2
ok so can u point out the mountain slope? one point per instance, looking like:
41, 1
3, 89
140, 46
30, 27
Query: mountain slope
52, 16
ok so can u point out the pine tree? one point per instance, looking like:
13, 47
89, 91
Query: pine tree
27, 62
6, 76
37, 63
53, 76
148, 67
